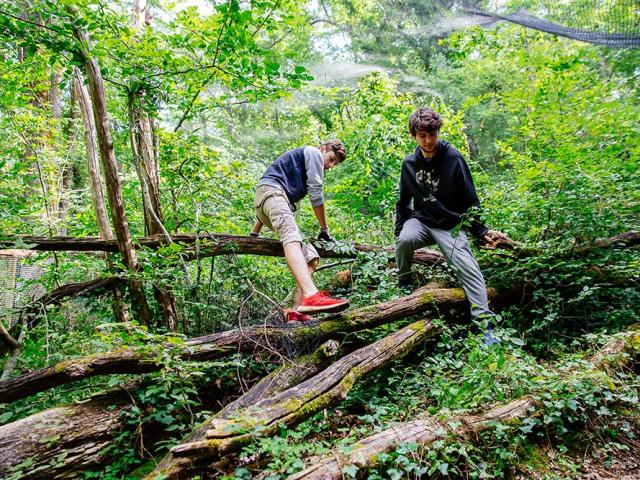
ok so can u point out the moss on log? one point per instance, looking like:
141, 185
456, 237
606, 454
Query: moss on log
228, 433
616, 354
218, 345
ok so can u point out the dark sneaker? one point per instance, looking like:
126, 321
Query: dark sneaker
489, 338
322, 302
297, 317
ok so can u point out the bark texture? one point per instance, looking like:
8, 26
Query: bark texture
616, 354
287, 376
228, 433
423, 432
62, 442
112, 179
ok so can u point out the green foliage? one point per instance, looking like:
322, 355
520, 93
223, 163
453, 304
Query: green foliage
549, 127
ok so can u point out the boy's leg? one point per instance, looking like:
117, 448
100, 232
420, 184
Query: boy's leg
414, 235
312, 265
299, 268
255, 231
458, 254
272, 209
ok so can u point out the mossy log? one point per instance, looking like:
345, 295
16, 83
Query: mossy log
228, 433
63, 442
283, 378
617, 353
365, 453
245, 339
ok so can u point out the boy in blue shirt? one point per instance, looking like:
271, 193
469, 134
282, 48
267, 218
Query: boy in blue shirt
292, 176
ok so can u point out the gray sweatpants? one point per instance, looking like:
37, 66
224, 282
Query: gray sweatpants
416, 234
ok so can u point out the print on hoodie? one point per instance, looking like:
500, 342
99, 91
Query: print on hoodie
428, 183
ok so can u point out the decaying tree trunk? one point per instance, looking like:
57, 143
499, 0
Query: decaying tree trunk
616, 354
285, 377
423, 432
111, 170
95, 181
448, 302
141, 136
62, 442
71, 130
228, 433
96, 423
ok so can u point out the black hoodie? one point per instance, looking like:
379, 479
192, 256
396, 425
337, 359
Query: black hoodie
441, 188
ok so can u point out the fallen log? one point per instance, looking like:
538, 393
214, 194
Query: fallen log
219, 244
285, 377
56, 296
30, 313
244, 339
212, 245
208, 245
423, 432
617, 353
329, 387
63, 442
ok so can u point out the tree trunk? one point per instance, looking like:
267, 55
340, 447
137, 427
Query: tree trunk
424, 431
65, 291
67, 168
141, 136
447, 302
220, 244
79, 432
278, 381
114, 189
229, 433
62, 442
95, 181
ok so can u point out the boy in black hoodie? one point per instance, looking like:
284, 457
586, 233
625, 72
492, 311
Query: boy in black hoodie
438, 181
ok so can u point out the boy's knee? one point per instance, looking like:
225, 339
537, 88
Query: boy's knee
405, 244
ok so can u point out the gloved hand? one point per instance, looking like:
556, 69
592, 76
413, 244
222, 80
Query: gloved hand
324, 236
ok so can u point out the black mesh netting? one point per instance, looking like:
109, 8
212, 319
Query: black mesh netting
614, 23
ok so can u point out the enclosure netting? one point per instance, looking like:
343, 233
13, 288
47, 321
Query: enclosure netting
614, 23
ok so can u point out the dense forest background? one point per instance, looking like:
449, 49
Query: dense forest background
200, 97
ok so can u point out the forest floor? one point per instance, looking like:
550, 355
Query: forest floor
589, 461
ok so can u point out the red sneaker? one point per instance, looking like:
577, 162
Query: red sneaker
293, 316
322, 302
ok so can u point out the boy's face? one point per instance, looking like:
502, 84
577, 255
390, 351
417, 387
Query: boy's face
329, 157
428, 142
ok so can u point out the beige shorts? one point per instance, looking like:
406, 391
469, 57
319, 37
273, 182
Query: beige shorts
273, 210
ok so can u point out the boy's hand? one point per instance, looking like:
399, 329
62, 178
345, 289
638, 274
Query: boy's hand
324, 235
492, 238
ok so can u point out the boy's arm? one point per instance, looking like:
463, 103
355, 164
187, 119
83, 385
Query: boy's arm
402, 205
314, 165
488, 238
